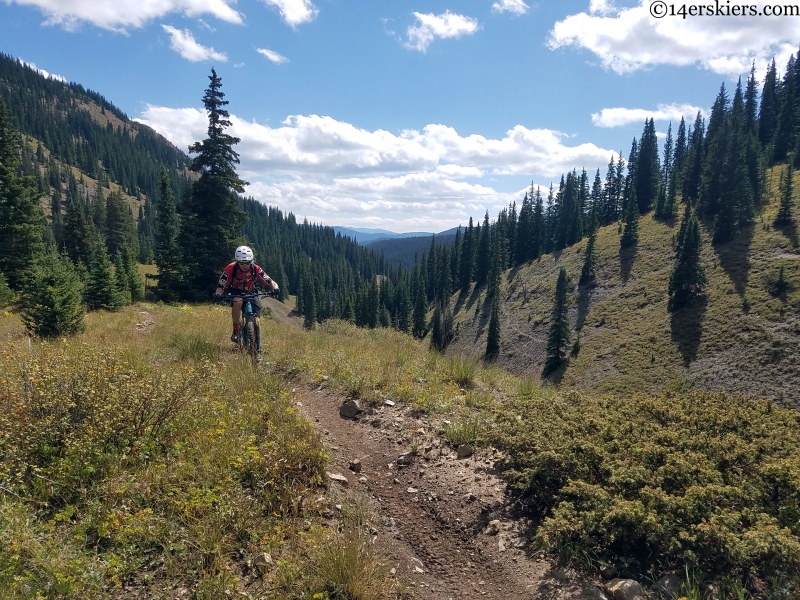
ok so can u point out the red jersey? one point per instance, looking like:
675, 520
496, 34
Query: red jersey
243, 279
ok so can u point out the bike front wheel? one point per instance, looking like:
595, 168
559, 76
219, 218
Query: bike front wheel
252, 346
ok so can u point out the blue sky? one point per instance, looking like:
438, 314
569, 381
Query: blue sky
408, 115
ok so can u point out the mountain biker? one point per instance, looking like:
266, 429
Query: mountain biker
240, 277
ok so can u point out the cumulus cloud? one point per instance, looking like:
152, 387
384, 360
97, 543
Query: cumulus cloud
278, 59
518, 7
617, 117
430, 26
335, 172
119, 14
294, 12
183, 42
628, 39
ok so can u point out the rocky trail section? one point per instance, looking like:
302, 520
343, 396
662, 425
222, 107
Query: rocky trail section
445, 523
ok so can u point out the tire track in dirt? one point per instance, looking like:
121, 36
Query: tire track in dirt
447, 526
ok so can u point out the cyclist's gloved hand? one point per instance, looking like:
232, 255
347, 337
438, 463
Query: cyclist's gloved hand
275, 293
217, 296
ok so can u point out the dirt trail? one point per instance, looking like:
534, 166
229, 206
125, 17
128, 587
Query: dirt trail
436, 513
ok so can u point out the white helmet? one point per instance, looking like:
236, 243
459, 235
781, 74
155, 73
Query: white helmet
244, 254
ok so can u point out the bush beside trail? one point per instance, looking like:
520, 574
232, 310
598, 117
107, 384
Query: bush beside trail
656, 483
117, 475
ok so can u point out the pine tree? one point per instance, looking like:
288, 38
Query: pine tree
718, 137
79, 235
695, 158
590, 254
120, 226
57, 219
167, 252
688, 279
132, 275
309, 304
420, 314
630, 234
51, 303
679, 152
20, 216
483, 256
768, 111
558, 336
647, 170
784, 216
467, 266
212, 217
121, 280
102, 290
493, 337
437, 334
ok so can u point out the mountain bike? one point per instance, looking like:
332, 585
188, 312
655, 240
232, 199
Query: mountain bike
249, 333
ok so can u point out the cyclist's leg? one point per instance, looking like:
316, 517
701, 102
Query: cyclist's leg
236, 316
236, 311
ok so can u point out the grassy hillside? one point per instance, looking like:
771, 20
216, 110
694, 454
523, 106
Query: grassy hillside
142, 458
139, 459
741, 338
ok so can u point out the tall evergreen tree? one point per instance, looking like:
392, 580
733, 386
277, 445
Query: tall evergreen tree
483, 256
695, 158
467, 268
212, 219
21, 242
590, 254
102, 290
647, 174
630, 233
537, 226
167, 252
679, 152
79, 235
493, 337
309, 303
134, 279
784, 216
120, 230
717, 138
687, 281
558, 334
768, 111
784, 134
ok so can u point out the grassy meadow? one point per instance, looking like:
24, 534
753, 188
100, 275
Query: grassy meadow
144, 457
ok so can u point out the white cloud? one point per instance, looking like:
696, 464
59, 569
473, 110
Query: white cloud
183, 42
617, 117
518, 7
430, 26
336, 173
294, 12
119, 14
44, 73
629, 39
278, 59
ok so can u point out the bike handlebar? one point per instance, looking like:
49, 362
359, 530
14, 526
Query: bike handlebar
248, 296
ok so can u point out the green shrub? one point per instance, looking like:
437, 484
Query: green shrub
194, 346
461, 370
702, 479
51, 303
465, 431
